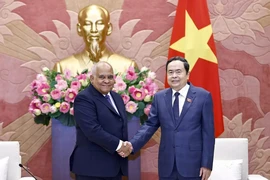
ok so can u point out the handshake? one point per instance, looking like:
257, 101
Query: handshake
125, 149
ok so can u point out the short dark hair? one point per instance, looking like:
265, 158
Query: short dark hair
178, 58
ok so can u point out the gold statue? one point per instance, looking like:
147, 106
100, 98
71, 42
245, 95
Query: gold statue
94, 25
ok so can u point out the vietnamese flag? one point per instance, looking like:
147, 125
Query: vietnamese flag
192, 38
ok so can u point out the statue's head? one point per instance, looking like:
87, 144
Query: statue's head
94, 25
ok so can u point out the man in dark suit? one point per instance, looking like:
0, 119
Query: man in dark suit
101, 125
185, 114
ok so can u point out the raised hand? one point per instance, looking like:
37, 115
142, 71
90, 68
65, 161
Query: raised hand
125, 149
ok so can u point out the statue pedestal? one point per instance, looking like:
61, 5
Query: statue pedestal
63, 142
134, 163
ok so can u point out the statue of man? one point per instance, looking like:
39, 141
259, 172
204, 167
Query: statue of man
93, 26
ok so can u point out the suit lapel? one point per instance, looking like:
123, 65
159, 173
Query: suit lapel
118, 105
168, 100
188, 102
101, 98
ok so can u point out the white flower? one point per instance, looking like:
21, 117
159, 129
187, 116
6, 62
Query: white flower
84, 82
53, 109
37, 112
152, 75
144, 69
45, 69
147, 98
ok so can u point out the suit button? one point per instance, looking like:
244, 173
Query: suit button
173, 146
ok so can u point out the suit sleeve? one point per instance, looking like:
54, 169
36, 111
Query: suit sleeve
148, 129
86, 118
208, 134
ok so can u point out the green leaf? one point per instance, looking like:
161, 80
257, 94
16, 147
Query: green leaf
84, 71
56, 114
143, 118
42, 119
141, 105
129, 116
66, 119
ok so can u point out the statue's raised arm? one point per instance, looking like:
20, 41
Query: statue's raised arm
94, 26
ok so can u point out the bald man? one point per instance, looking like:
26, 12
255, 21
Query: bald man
101, 126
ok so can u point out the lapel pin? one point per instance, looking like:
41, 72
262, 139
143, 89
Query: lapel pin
189, 100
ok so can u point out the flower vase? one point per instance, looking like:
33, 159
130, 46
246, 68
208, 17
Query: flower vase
134, 163
63, 142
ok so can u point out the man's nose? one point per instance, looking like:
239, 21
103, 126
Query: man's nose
106, 80
174, 74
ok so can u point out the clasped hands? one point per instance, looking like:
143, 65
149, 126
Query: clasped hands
125, 149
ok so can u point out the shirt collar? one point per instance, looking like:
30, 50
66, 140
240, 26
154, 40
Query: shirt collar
182, 91
107, 94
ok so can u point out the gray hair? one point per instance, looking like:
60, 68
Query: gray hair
95, 66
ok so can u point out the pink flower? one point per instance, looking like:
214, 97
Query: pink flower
147, 109
58, 77
61, 84
35, 104
138, 94
35, 84
56, 94
131, 89
151, 88
43, 89
131, 74
131, 107
46, 97
75, 85
81, 76
67, 74
141, 83
41, 78
125, 98
45, 108
148, 81
119, 85
70, 95
64, 107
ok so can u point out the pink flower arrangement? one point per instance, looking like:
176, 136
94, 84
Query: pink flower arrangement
53, 94
137, 88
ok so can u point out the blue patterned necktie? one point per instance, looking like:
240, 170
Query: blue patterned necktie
108, 98
176, 106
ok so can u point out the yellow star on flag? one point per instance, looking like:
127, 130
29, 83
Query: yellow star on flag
194, 43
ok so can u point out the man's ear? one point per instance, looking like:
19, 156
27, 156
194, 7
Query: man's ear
110, 28
91, 79
79, 29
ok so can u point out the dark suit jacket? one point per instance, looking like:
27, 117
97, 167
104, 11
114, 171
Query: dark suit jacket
189, 142
99, 128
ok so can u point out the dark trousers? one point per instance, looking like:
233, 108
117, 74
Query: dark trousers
176, 176
78, 177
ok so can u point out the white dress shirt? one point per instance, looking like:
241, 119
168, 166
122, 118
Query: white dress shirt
182, 96
114, 106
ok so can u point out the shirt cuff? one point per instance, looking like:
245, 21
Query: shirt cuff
119, 145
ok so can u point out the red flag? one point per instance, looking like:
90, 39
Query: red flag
192, 38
